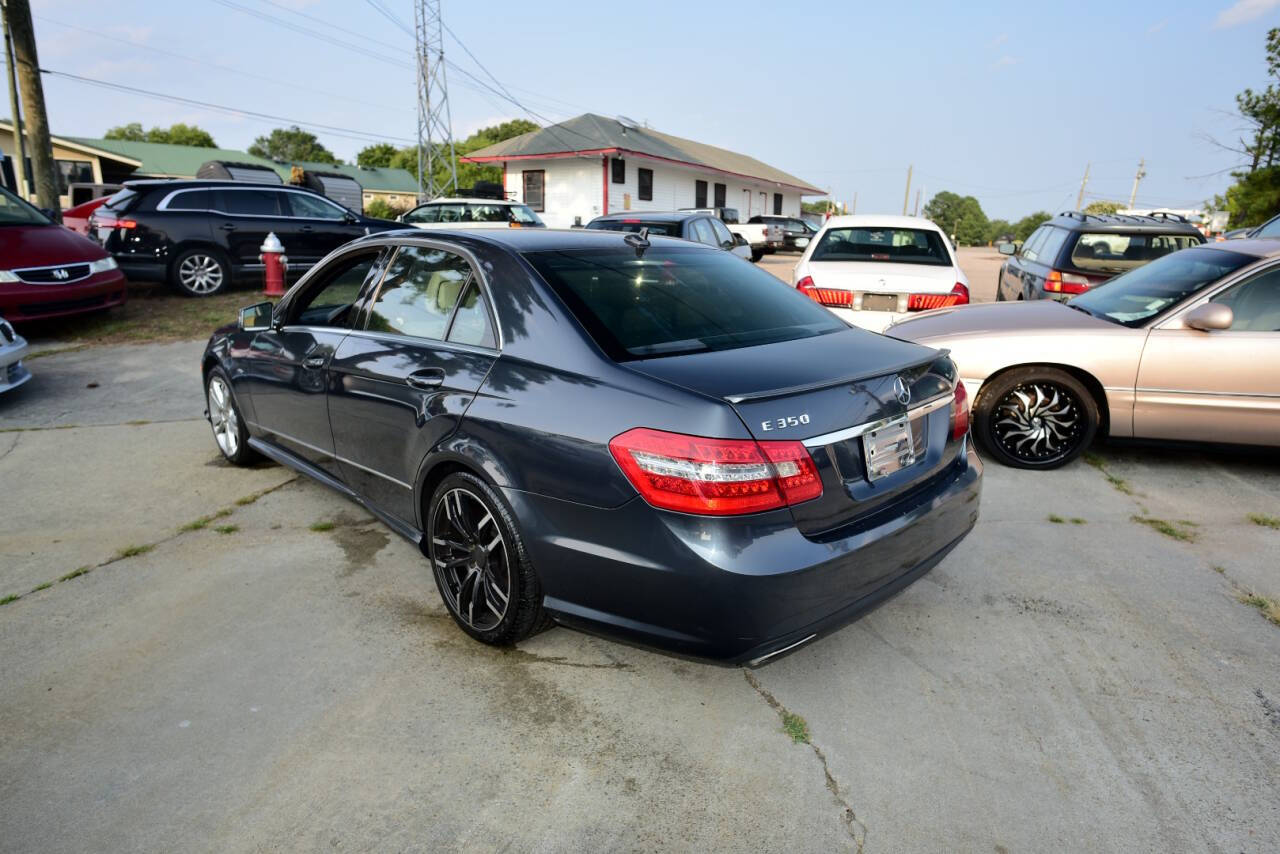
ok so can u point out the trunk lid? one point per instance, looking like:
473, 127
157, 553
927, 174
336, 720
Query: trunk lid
824, 391
883, 278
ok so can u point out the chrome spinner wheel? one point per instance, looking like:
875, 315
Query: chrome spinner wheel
1038, 422
471, 559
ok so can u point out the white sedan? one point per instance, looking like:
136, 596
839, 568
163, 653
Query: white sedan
872, 271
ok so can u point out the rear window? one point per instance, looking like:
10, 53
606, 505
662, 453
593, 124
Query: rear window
892, 245
1119, 252
524, 215
191, 200
672, 301
668, 229
121, 200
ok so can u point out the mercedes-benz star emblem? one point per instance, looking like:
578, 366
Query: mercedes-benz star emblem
901, 391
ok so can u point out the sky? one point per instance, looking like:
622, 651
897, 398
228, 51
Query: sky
1008, 104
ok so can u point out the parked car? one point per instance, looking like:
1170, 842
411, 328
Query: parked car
1183, 348
472, 213
763, 238
13, 348
1270, 228
700, 228
202, 235
796, 232
49, 271
1074, 252
872, 270
636, 436
77, 218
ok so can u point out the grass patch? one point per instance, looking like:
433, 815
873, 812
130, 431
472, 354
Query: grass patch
1056, 519
133, 551
1269, 608
796, 727
1100, 463
1076, 520
322, 526
1264, 520
76, 573
12, 597
1167, 528
203, 521
227, 529
1219, 568
152, 313
44, 586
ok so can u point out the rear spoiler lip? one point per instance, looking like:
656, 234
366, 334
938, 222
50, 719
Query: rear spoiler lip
850, 378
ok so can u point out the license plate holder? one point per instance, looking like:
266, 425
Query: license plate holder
879, 302
892, 448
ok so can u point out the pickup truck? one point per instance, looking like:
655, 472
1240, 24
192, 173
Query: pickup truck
764, 238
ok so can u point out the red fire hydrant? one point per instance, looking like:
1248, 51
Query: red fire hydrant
276, 263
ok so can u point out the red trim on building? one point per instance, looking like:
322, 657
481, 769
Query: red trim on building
504, 178
604, 171
558, 155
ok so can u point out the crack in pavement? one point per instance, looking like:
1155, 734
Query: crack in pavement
135, 423
856, 828
9, 449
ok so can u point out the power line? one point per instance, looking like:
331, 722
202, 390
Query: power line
350, 133
339, 27
390, 16
308, 31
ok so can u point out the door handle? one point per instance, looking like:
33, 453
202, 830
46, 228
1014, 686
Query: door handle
425, 379
313, 362
228, 226
306, 229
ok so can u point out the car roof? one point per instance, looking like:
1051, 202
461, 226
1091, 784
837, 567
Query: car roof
1107, 223
470, 200
529, 239
886, 221
184, 183
652, 216
1259, 247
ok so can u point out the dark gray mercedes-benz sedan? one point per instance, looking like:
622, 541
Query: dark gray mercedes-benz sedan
629, 434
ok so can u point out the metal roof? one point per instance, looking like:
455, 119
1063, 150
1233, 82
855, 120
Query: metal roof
594, 134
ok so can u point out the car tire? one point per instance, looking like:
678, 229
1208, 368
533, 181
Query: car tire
1035, 418
476, 554
756, 255
230, 432
200, 272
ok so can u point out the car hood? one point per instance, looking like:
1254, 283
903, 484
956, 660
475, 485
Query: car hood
995, 319
45, 245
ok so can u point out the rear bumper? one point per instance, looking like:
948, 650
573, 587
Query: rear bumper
147, 270
733, 589
20, 302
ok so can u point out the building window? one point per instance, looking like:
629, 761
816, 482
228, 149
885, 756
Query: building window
720, 195
644, 177
534, 185
618, 169
699, 194
68, 172
777, 204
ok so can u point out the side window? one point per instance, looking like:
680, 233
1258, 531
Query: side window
644, 185
722, 233
1255, 303
419, 292
426, 213
1047, 252
191, 200
251, 202
487, 213
452, 213
471, 323
1033, 243
702, 232
329, 302
534, 188
310, 207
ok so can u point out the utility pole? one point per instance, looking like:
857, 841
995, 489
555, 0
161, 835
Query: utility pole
916, 210
1141, 173
855, 202
17, 16
19, 137
906, 197
435, 126
1083, 184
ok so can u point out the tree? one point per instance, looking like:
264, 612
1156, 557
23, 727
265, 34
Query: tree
997, 229
292, 145
1255, 195
960, 216
1022, 228
378, 154
385, 154
1102, 208
176, 134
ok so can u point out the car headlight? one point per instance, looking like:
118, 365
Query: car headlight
102, 265
8, 276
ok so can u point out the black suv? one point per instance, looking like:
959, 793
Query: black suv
201, 235
1076, 251
796, 233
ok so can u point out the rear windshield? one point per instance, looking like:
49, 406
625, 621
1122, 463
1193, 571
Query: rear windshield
121, 200
669, 229
1135, 297
1115, 253
892, 245
524, 215
673, 301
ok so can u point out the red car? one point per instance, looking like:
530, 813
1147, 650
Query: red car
77, 218
49, 271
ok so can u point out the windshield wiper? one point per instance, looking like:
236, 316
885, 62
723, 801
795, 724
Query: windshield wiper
1079, 308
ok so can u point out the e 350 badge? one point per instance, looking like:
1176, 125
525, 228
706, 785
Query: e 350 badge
785, 422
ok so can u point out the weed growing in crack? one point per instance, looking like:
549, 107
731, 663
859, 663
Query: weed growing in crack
1076, 520
12, 597
1268, 607
1166, 528
796, 727
1056, 519
324, 525
227, 529
76, 573
132, 551
1265, 521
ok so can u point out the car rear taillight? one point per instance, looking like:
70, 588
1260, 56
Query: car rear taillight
833, 297
924, 302
959, 411
1065, 283
715, 477
112, 222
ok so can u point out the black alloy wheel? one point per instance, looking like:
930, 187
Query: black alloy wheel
1038, 418
479, 562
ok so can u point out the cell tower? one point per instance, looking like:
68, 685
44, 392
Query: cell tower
435, 128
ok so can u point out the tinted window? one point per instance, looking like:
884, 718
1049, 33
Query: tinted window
310, 207
1119, 252
1033, 243
251, 202
191, 200
1255, 303
702, 232
121, 200
1049, 248
487, 213
426, 213
418, 293
452, 213
644, 184
675, 300
471, 323
1270, 228
729, 215
885, 245
671, 229
329, 301
1135, 297
722, 233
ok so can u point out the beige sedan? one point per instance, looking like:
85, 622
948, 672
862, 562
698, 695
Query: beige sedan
1184, 348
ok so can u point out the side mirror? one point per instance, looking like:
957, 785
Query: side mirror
1006, 248
349, 217
255, 318
1209, 317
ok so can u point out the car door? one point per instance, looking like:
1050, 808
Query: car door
1216, 386
285, 371
1014, 279
320, 225
404, 380
245, 216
